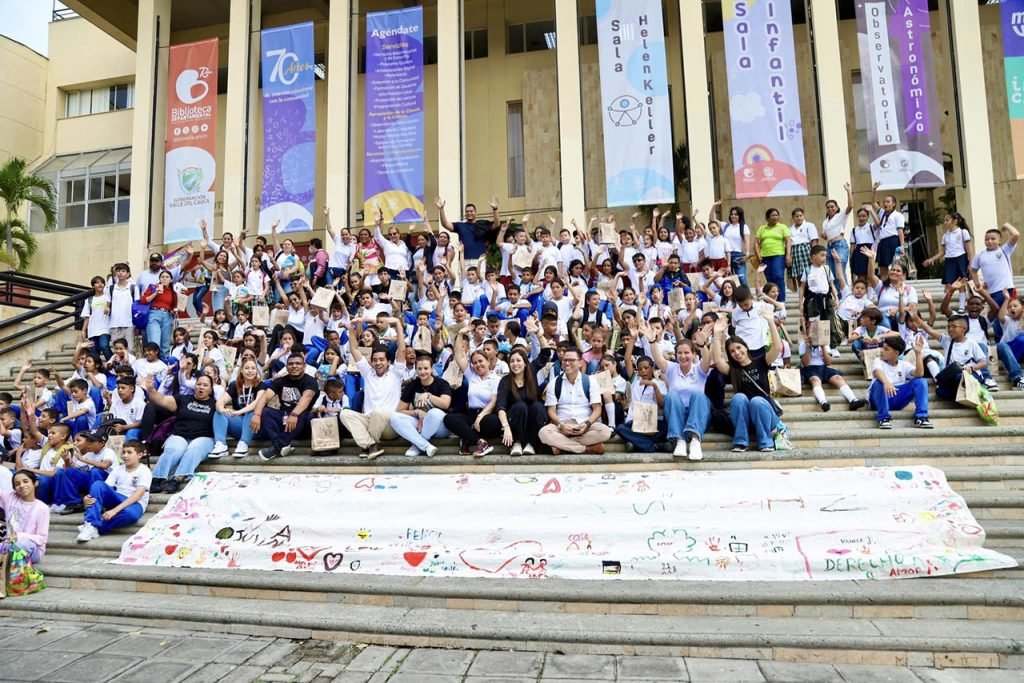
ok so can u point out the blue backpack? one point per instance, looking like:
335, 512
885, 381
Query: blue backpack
140, 311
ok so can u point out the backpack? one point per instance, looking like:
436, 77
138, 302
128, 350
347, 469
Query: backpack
558, 386
140, 311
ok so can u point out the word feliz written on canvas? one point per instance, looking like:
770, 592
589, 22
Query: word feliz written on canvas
776, 60
625, 31
829, 524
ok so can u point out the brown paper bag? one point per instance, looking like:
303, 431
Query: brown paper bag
869, 356
695, 280
730, 278
453, 375
279, 317
423, 340
821, 334
709, 307
604, 380
608, 234
676, 299
786, 382
645, 417
182, 302
398, 290
115, 442
603, 288
993, 360
522, 257
326, 436
968, 392
260, 315
911, 357
323, 297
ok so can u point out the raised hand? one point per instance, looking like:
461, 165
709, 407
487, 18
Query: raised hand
438, 202
494, 203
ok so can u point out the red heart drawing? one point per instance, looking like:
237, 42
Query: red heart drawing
170, 549
277, 557
491, 556
553, 486
414, 559
366, 483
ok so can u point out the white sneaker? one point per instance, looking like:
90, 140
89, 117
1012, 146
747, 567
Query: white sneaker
287, 450
991, 384
58, 509
517, 449
696, 452
680, 451
431, 450
834, 353
412, 452
528, 449
241, 449
88, 532
220, 449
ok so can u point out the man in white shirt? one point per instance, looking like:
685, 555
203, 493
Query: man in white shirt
382, 390
574, 413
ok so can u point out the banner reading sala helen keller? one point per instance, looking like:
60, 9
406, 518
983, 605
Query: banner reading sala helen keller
904, 143
1013, 50
764, 101
289, 128
634, 92
394, 116
191, 167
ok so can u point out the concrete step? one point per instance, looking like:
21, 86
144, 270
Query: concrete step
780, 638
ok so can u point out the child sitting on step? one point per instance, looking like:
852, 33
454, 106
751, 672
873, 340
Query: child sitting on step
871, 332
121, 499
896, 383
816, 369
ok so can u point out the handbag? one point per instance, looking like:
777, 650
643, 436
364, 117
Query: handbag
969, 391
776, 406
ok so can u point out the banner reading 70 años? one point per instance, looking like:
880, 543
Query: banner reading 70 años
394, 116
904, 143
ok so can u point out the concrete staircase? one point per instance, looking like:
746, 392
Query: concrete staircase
973, 621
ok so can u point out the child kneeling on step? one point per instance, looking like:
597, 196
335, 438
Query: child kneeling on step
120, 500
897, 383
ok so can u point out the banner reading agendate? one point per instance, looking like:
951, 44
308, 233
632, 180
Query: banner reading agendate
394, 116
634, 91
191, 167
904, 144
1013, 51
764, 102
289, 128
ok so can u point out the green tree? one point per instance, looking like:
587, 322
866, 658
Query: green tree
16, 188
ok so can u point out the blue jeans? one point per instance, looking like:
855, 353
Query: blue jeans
159, 329
775, 272
44, 491
70, 483
997, 327
181, 458
843, 247
753, 412
739, 266
106, 499
915, 390
334, 274
433, 425
217, 298
102, 345
684, 419
198, 294
237, 426
645, 443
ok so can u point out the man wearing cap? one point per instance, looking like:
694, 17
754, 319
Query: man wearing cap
92, 461
151, 277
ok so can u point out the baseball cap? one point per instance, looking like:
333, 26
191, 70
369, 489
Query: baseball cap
93, 435
156, 257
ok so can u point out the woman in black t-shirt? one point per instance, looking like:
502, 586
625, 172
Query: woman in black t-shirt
520, 404
421, 408
750, 407
192, 438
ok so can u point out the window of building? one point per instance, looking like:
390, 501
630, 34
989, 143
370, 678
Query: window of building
476, 44
99, 100
516, 153
861, 121
588, 30
93, 189
531, 37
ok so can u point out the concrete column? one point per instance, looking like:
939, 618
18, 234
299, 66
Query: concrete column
977, 202
149, 127
570, 111
450, 101
239, 113
832, 101
339, 104
698, 106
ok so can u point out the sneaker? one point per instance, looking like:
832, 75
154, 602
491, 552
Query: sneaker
826, 406
241, 450
269, 453
431, 450
680, 449
739, 449
596, 449
834, 353
482, 449
171, 486
375, 451
923, 423
157, 485
412, 452
528, 449
991, 384
961, 311
857, 404
365, 453
87, 532
1019, 385
464, 449
58, 509
517, 449
696, 451
767, 449
220, 449
885, 424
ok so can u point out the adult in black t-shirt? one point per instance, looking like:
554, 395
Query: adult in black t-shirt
750, 407
421, 408
192, 438
296, 391
472, 232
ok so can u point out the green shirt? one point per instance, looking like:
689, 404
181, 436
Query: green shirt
773, 239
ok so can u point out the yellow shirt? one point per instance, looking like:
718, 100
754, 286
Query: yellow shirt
773, 239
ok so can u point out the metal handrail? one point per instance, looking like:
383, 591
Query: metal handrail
55, 316
28, 315
29, 330
49, 331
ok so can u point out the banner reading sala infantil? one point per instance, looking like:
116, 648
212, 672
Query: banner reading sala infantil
289, 128
764, 101
634, 92
898, 72
1013, 51
394, 116
191, 164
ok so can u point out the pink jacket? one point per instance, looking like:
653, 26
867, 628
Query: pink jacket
30, 521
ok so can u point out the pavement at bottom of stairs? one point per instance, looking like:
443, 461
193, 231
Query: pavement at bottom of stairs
60, 651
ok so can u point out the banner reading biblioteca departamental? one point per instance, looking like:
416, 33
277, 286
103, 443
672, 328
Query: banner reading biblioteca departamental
1013, 51
904, 143
764, 101
191, 167
394, 116
634, 94
289, 128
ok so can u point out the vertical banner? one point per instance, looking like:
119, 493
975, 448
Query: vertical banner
634, 91
394, 116
289, 128
764, 101
904, 142
191, 164
1013, 52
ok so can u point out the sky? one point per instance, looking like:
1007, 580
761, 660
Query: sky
27, 21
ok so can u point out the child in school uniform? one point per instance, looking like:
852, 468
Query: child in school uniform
816, 370
896, 383
121, 499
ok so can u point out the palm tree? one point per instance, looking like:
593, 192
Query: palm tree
16, 188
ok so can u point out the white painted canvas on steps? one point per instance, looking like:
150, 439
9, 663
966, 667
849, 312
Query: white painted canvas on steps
765, 525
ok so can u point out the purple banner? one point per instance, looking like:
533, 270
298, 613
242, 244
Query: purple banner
1013, 65
394, 116
898, 73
